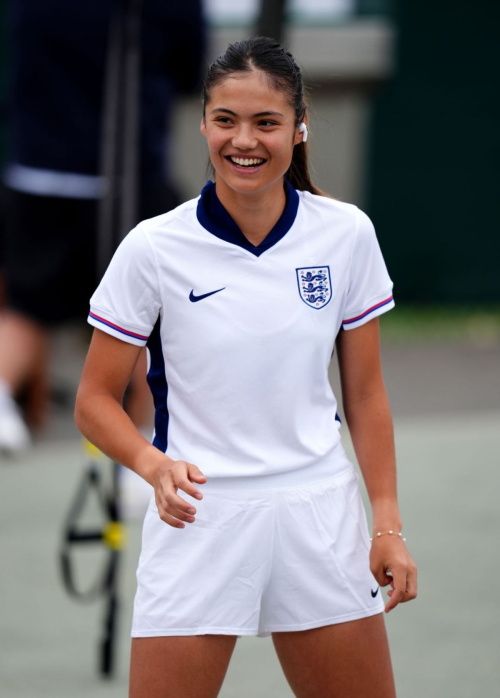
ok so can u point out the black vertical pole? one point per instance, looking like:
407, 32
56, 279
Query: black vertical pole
117, 216
109, 141
110, 630
131, 118
120, 130
271, 19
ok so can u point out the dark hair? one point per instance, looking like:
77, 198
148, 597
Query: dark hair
270, 57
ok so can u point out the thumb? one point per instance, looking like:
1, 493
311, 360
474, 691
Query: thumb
195, 473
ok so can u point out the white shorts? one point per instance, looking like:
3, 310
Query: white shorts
258, 561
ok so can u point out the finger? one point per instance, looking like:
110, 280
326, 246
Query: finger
168, 501
169, 519
194, 472
178, 506
391, 591
183, 483
163, 494
383, 577
399, 589
411, 583
161, 502
164, 508
177, 480
163, 512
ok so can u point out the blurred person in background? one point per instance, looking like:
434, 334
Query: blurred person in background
51, 178
2, 124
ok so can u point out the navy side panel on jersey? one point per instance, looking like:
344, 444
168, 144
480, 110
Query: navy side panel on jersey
158, 383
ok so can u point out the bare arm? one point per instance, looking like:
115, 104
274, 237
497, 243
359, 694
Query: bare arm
368, 415
99, 414
102, 420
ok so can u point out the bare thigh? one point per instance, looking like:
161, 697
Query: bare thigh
190, 666
345, 659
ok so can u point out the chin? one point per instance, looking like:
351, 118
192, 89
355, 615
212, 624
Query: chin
242, 185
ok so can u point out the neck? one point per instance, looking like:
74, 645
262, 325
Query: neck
255, 213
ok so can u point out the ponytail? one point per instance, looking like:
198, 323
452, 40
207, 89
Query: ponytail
298, 172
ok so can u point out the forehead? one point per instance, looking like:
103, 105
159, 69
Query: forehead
249, 93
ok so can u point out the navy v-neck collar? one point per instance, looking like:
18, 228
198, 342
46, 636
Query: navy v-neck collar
213, 217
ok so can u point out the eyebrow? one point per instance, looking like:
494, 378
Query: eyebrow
261, 113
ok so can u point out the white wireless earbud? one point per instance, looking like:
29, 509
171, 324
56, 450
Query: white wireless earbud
303, 130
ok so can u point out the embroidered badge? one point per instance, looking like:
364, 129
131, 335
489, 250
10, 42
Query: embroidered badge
315, 285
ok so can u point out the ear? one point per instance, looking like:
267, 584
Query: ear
203, 127
298, 136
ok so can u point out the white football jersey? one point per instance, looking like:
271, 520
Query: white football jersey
240, 336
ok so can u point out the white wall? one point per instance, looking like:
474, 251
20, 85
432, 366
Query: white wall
244, 12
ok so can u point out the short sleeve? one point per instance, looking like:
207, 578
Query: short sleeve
126, 304
369, 292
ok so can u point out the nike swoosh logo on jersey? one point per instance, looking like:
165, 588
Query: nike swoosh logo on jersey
195, 299
374, 594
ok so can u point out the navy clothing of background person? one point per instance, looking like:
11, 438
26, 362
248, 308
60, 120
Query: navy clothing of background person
55, 101
52, 175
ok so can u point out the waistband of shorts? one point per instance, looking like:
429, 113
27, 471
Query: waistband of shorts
325, 469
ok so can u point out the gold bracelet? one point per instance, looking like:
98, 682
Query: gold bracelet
391, 532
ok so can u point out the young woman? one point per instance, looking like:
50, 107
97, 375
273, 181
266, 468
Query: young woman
240, 296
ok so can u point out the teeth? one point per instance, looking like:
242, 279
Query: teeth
247, 162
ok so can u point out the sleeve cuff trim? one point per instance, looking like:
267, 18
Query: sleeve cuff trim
367, 312
117, 328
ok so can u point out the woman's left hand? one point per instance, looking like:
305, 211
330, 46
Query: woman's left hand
389, 556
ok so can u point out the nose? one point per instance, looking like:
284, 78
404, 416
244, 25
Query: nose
244, 138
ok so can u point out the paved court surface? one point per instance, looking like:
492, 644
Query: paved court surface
445, 643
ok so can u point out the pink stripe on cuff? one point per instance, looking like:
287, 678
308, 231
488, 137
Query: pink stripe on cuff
116, 327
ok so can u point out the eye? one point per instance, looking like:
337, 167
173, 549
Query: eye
223, 119
266, 122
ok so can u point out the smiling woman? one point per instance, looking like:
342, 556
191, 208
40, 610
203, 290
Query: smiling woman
254, 119
241, 296
251, 148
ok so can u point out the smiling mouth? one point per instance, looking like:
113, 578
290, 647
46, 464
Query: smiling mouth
245, 162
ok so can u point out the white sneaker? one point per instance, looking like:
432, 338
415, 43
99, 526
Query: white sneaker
14, 434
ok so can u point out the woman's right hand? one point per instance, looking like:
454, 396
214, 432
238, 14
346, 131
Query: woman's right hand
167, 477
100, 416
